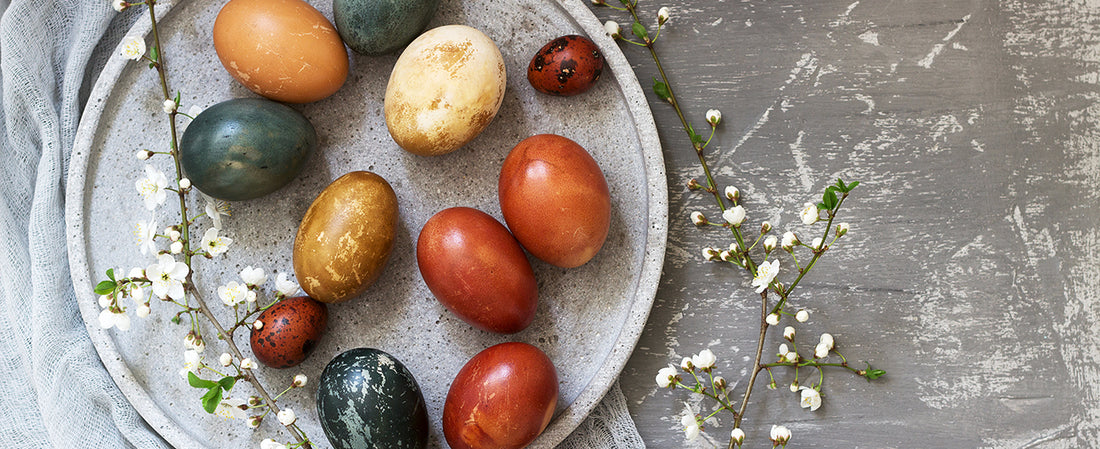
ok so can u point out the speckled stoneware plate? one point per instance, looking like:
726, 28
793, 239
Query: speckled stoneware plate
588, 318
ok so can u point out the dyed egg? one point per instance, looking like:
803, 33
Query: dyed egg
445, 88
367, 399
345, 237
555, 200
245, 148
378, 27
284, 50
503, 398
291, 329
566, 66
477, 270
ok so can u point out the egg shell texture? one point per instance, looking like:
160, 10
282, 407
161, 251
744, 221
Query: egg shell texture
503, 398
292, 328
367, 399
345, 237
378, 27
245, 148
476, 269
285, 50
555, 200
445, 88
566, 66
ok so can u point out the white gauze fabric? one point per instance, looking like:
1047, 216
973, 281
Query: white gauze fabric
56, 391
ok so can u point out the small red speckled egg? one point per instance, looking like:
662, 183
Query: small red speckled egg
291, 329
566, 66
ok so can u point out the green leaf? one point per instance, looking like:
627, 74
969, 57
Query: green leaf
197, 382
872, 374
111, 274
227, 383
211, 399
154, 54
177, 99
822, 206
175, 319
639, 30
852, 185
105, 287
829, 198
661, 89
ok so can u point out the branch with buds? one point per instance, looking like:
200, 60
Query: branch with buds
758, 254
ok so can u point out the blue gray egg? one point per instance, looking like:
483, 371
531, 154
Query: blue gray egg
367, 399
378, 27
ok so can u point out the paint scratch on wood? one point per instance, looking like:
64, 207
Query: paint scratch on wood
870, 37
926, 62
806, 64
804, 172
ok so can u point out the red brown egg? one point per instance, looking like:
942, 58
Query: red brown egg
555, 200
566, 66
503, 398
291, 329
477, 270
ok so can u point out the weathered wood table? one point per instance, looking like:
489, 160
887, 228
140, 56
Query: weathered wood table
972, 269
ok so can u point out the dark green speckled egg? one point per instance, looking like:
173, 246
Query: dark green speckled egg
378, 27
367, 399
245, 148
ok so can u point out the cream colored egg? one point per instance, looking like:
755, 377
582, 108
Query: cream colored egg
444, 90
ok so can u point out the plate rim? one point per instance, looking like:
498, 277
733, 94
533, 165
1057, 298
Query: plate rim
566, 421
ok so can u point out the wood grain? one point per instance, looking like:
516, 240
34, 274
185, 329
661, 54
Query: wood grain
971, 273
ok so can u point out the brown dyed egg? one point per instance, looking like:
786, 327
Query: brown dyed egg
503, 398
284, 50
477, 270
566, 66
346, 237
291, 329
555, 200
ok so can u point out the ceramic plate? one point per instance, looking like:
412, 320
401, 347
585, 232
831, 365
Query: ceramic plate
588, 318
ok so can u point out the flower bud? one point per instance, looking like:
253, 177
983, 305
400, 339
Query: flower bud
185, 183
720, 383
788, 333
176, 247
809, 214
769, 243
802, 316
734, 215
105, 301
738, 436
666, 377
816, 244
827, 339
172, 232
780, 435
119, 5
254, 422
714, 117
794, 386
711, 254
734, 247
255, 401
612, 28
733, 194
257, 324
726, 256
143, 154
142, 311
694, 185
225, 359
821, 351
686, 364
662, 17
698, 218
783, 350
772, 319
169, 106
300, 381
765, 227
789, 241
599, 2
841, 229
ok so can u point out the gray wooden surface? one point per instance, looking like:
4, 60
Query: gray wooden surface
971, 273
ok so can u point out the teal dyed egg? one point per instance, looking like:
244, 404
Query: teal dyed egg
367, 399
245, 148
378, 27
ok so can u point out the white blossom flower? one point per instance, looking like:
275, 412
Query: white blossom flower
146, 232
185, 183
105, 301
704, 360
780, 435
665, 376
176, 247
136, 273
235, 293
714, 117
765, 274
215, 209
732, 193
788, 333
827, 340
686, 364
247, 363
821, 351
613, 29
841, 229
225, 359
167, 277
802, 316
816, 243
118, 318
789, 241
285, 286
809, 214
152, 187
698, 218
286, 416
194, 110
172, 233
253, 276
769, 243
133, 47
662, 16
691, 425
734, 215
738, 435
214, 244
772, 319
169, 106
232, 408
143, 155
271, 444
300, 380
811, 398
192, 363
119, 5
142, 310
